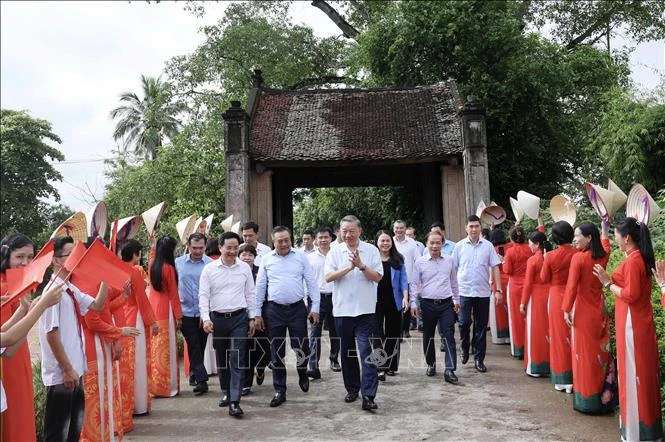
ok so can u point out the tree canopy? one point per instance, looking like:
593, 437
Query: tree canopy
26, 172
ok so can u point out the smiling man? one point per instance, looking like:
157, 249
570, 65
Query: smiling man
282, 276
355, 268
189, 269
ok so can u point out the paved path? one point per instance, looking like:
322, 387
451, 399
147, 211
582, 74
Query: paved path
502, 404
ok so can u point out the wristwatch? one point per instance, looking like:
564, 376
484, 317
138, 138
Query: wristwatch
362, 269
607, 286
499, 290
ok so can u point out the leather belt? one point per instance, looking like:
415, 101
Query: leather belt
295, 304
229, 314
436, 301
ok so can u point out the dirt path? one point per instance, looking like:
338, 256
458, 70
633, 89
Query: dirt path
502, 404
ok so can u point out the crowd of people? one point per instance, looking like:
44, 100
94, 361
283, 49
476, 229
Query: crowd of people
106, 354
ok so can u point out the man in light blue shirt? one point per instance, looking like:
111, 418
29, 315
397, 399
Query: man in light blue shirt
281, 276
474, 257
189, 268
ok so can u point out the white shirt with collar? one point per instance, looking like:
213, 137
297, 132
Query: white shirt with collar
354, 294
409, 250
62, 318
225, 289
317, 261
261, 251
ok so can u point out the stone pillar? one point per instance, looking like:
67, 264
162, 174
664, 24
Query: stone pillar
474, 141
236, 149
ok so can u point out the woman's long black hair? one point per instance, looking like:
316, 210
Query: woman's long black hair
596, 247
10, 243
541, 239
639, 232
395, 259
163, 255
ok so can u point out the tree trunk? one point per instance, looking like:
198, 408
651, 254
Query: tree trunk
348, 30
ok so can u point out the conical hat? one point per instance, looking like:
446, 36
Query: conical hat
97, 219
517, 210
480, 208
152, 216
208, 221
601, 199
199, 225
185, 227
74, 226
641, 206
493, 215
618, 198
529, 203
128, 228
236, 228
563, 209
227, 223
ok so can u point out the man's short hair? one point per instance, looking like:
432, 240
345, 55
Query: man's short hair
411, 228
279, 229
326, 229
399, 221
251, 225
60, 242
351, 219
434, 232
438, 225
309, 232
228, 235
472, 219
197, 236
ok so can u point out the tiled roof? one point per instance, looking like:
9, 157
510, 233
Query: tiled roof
356, 124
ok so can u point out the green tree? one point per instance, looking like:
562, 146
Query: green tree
143, 124
630, 137
25, 171
578, 22
541, 99
187, 174
376, 207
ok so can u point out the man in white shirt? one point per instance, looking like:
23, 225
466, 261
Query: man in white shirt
411, 233
63, 355
409, 250
250, 232
355, 267
226, 302
317, 261
308, 242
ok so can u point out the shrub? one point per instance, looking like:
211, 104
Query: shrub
40, 399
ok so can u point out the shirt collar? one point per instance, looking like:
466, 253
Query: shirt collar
220, 263
467, 240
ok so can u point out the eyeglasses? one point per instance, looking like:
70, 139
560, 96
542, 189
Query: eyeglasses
61, 256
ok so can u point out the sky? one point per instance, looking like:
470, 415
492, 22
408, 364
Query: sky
68, 62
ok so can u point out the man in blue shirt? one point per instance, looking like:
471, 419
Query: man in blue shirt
189, 268
281, 276
474, 257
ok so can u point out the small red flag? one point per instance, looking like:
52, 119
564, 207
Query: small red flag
23, 280
98, 265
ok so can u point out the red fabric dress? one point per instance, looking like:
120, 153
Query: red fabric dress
639, 394
515, 267
165, 372
555, 272
499, 323
101, 382
535, 297
590, 331
135, 361
18, 421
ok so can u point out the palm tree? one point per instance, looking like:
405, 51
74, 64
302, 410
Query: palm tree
144, 124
